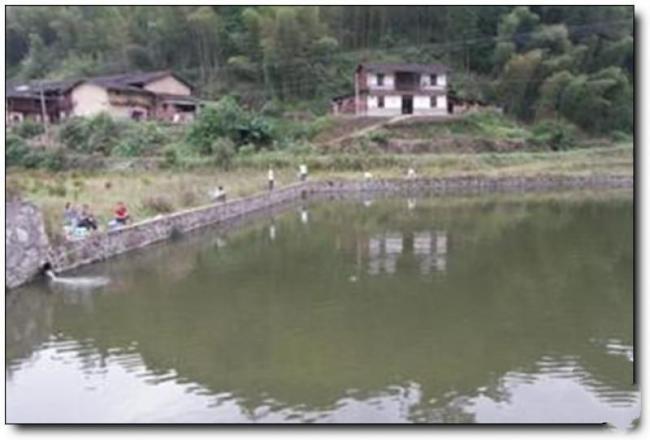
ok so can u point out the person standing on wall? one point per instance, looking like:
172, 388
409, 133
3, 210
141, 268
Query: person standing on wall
302, 172
271, 179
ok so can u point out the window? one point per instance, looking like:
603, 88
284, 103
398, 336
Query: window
433, 102
433, 79
380, 79
380, 101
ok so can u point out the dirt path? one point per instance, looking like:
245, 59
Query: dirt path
364, 130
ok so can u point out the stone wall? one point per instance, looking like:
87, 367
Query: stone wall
468, 184
26, 244
28, 249
108, 244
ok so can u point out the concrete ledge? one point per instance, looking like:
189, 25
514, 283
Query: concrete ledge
105, 245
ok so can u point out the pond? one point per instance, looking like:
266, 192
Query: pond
484, 308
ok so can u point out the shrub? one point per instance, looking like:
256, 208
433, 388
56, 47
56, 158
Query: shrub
247, 150
139, 139
53, 160
29, 129
380, 137
103, 134
621, 136
226, 119
99, 134
555, 134
157, 205
171, 156
313, 128
16, 150
224, 151
73, 134
127, 148
257, 130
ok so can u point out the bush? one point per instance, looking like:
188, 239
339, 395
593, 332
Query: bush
29, 129
157, 205
227, 119
556, 135
224, 151
73, 134
380, 137
170, 154
258, 130
621, 136
140, 139
53, 160
103, 134
247, 150
99, 134
16, 150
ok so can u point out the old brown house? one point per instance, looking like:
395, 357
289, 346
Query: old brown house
161, 95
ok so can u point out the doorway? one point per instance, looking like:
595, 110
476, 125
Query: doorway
407, 104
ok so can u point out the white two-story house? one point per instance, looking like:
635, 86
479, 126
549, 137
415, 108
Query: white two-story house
394, 89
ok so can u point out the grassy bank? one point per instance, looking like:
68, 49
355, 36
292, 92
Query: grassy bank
149, 193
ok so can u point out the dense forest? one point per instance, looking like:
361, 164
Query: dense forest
570, 62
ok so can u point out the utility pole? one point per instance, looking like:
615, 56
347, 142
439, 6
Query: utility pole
356, 93
43, 111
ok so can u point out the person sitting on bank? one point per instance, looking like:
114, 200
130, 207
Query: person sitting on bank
87, 219
219, 194
411, 173
70, 216
271, 179
303, 172
121, 214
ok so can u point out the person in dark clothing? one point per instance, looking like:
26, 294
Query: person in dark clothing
87, 220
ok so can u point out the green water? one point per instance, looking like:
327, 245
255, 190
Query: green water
475, 309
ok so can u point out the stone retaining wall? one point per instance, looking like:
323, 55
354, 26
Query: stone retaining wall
466, 184
108, 244
98, 247
26, 243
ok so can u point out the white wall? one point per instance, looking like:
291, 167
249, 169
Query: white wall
389, 81
422, 102
392, 106
442, 102
89, 99
441, 81
422, 105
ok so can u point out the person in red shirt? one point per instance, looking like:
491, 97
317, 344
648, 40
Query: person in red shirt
121, 213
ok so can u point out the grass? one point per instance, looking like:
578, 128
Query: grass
488, 124
145, 192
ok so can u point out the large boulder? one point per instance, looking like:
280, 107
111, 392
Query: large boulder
27, 244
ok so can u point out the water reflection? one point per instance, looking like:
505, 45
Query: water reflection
429, 248
287, 327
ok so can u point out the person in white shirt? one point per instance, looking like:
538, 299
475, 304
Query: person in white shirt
411, 173
219, 195
367, 175
303, 172
271, 179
